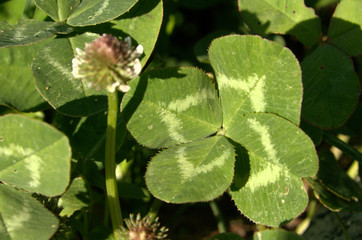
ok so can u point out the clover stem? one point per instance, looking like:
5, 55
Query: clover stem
110, 164
221, 225
155, 207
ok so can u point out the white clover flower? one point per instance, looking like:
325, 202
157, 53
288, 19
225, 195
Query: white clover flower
108, 63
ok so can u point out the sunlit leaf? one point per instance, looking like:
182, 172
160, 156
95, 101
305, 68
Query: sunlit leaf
57, 10
23, 217
92, 12
345, 28
193, 172
283, 17
268, 187
262, 75
34, 156
171, 106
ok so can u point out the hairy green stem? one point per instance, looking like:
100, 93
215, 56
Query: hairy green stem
221, 225
155, 207
110, 163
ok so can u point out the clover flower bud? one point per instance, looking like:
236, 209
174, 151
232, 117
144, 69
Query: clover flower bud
142, 229
108, 63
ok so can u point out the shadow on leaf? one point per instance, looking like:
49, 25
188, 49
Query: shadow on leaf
242, 167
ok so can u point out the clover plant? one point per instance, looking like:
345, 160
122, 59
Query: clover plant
103, 122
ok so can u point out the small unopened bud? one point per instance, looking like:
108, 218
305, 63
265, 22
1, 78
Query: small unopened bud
142, 229
108, 63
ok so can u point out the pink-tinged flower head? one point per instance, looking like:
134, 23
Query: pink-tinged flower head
108, 63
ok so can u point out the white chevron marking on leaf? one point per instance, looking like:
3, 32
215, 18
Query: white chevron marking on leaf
101, 9
253, 86
49, 56
15, 150
270, 174
183, 104
263, 132
188, 170
16, 221
32, 162
174, 125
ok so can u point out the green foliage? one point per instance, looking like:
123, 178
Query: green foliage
16, 64
276, 234
188, 108
54, 79
290, 17
345, 27
32, 155
22, 217
190, 112
242, 124
29, 31
193, 172
337, 193
331, 87
84, 13
76, 197
339, 225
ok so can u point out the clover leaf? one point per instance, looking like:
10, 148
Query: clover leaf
257, 114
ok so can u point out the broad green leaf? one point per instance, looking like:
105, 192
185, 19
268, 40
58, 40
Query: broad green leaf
331, 87
52, 69
59, 11
171, 106
283, 17
92, 12
339, 192
276, 234
226, 236
326, 225
29, 31
142, 23
34, 156
11, 11
23, 217
279, 154
192, 172
75, 198
262, 75
16, 79
345, 27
